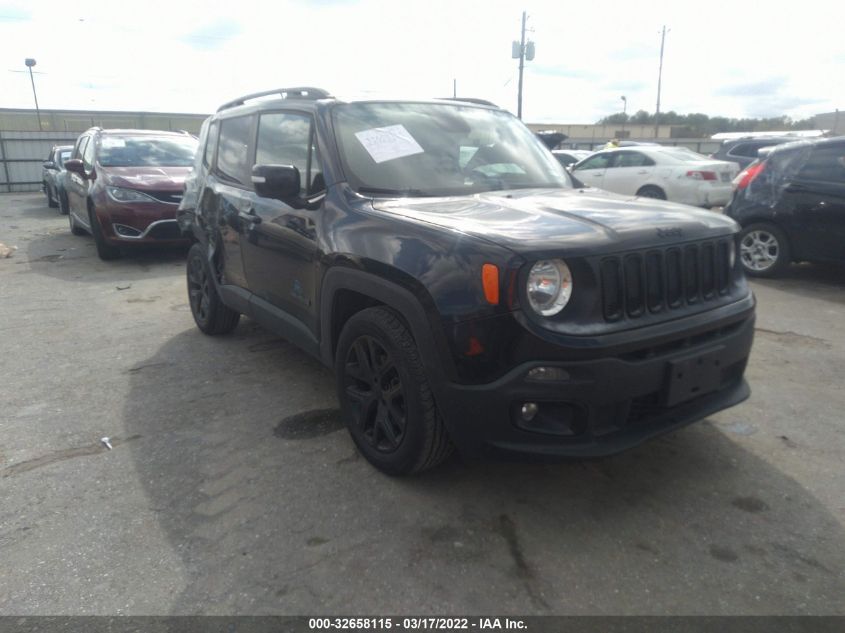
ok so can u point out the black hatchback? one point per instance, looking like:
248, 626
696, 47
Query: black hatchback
791, 206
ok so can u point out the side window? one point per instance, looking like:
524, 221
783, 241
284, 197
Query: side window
633, 159
211, 144
88, 155
287, 138
599, 161
232, 160
826, 163
80, 147
747, 150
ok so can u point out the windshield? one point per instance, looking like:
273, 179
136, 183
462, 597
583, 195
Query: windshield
420, 149
142, 151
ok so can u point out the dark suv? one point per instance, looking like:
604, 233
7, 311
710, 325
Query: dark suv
435, 254
791, 205
744, 151
124, 186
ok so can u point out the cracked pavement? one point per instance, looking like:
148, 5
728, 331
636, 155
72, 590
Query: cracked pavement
232, 487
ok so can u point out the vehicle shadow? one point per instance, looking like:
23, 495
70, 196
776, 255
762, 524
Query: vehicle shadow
49, 253
272, 511
814, 280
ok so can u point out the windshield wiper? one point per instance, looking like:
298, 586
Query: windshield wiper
414, 193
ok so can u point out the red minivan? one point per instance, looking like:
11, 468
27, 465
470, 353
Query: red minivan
124, 187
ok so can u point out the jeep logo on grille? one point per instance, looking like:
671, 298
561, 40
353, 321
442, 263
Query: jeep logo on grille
673, 232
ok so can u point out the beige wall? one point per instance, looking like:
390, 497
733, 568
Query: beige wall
81, 120
604, 132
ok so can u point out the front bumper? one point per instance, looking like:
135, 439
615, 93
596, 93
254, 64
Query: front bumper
143, 222
605, 405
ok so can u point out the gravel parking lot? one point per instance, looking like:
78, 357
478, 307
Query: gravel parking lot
232, 488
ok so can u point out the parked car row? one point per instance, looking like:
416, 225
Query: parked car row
124, 187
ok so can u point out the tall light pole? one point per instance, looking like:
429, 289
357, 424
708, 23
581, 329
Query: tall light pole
624, 113
659, 81
524, 51
30, 62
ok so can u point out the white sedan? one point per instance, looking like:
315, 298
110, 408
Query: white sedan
677, 174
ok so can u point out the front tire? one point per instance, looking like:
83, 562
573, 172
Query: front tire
764, 250
385, 398
210, 314
63, 203
51, 199
105, 250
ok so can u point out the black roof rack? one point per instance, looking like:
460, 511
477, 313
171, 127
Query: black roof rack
303, 92
471, 100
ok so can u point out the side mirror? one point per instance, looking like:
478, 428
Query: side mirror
75, 166
281, 182
48, 164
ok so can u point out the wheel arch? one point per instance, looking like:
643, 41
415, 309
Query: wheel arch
346, 291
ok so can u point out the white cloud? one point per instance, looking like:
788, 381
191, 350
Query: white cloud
179, 56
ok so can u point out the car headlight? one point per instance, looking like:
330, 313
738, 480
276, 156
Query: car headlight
549, 286
119, 194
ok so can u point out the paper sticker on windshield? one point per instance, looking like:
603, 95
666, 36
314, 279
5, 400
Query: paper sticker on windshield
110, 141
388, 143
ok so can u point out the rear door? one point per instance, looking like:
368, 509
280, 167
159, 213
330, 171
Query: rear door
629, 171
591, 171
281, 255
815, 200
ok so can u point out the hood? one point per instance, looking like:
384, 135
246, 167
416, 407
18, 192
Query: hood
146, 178
581, 221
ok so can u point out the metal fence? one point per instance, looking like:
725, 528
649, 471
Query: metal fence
21, 155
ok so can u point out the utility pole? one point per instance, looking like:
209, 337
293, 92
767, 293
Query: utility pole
624, 113
29, 64
659, 81
521, 66
454, 88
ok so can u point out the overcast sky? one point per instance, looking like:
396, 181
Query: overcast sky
722, 58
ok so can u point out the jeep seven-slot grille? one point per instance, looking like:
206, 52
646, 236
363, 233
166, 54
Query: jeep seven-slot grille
635, 284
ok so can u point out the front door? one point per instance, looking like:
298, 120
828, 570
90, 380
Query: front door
591, 172
76, 185
280, 250
629, 171
815, 199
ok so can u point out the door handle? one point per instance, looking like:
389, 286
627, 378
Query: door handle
795, 188
642, 173
250, 217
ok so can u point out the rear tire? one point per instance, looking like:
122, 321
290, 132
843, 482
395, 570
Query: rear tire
105, 250
764, 250
211, 315
385, 398
650, 191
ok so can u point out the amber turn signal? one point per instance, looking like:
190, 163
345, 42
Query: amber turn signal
490, 281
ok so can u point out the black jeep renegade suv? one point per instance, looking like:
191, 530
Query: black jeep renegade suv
437, 256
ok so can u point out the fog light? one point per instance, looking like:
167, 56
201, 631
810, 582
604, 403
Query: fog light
547, 374
529, 410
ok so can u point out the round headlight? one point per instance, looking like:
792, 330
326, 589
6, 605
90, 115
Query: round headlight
549, 286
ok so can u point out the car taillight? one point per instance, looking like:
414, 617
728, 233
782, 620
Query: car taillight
702, 175
748, 174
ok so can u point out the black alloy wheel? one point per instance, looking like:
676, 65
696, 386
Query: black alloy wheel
374, 387
210, 314
385, 398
